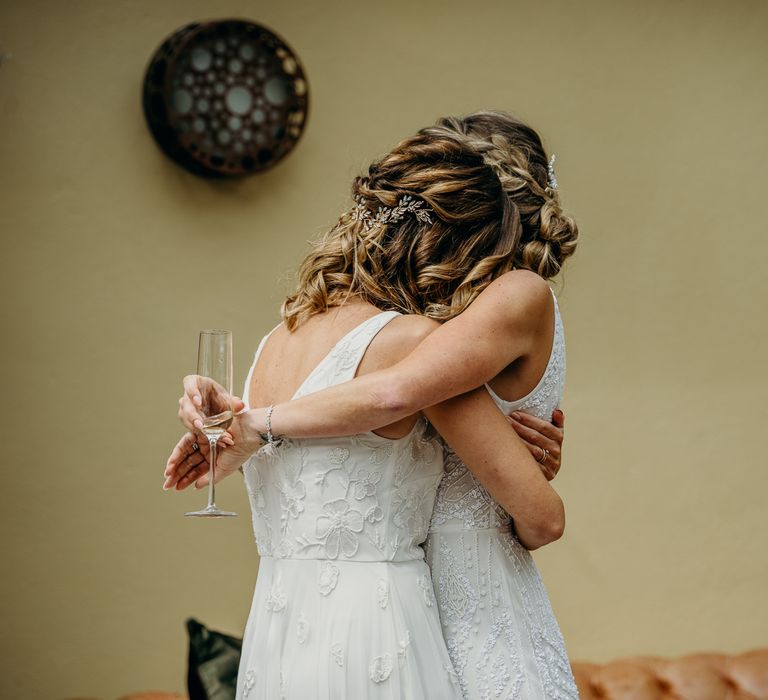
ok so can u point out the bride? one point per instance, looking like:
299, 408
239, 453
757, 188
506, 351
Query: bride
435, 247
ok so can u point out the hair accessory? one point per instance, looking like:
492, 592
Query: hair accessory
391, 215
551, 173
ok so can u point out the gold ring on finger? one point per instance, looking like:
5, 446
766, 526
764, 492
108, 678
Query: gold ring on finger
544, 455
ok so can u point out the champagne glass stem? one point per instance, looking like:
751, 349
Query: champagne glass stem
214, 366
211, 488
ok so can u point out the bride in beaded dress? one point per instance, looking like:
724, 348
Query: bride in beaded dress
497, 619
497, 622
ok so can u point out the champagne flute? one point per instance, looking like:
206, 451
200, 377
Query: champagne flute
214, 364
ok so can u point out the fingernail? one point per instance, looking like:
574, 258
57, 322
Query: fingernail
516, 415
198, 401
199, 424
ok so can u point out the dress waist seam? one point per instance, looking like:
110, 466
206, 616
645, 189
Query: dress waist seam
458, 529
342, 561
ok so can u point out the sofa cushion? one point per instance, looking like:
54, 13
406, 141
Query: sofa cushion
214, 659
705, 676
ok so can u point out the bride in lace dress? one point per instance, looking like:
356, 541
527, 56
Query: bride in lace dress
503, 331
344, 605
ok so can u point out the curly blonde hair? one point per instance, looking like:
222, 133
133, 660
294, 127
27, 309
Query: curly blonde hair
485, 178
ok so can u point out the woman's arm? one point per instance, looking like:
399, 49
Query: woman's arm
186, 466
475, 429
498, 327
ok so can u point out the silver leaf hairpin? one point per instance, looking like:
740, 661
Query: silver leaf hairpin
391, 215
551, 173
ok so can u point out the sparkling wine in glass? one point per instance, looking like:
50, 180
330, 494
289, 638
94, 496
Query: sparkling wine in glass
214, 366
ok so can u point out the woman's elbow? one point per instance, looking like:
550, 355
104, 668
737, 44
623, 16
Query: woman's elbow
556, 529
556, 522
398, 397
546, 531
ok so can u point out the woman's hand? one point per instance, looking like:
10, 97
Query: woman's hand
189, 460
192, 399
540, 435
187, 463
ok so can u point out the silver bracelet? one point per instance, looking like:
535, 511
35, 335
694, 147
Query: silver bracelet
269, 436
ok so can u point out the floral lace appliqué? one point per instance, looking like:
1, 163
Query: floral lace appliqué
380, 668
249, 682
426, 590
302, 629
382, 593
402, 647
364, 483
277, 600
327, 577
291, 498
408, 510
374, 515
338, 526
337, 654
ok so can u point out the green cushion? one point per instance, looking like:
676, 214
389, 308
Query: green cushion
213, 662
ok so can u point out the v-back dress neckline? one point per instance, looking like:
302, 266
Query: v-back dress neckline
318, 367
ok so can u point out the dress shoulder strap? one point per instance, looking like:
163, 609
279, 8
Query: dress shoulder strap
341, 363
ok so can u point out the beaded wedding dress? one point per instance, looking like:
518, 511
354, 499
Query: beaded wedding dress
344, 606
497, 620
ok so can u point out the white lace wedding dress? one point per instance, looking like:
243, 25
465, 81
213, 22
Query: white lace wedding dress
344, 606
497, 620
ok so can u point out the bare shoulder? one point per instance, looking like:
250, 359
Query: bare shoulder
518, 294
523, 285
397, 339
413, 327
407, 331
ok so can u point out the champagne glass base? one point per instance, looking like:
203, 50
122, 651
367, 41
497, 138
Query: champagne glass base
211, 512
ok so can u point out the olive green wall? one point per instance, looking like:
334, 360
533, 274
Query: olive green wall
114, 259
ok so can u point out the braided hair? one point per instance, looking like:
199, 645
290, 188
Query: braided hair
484, 178
514, 151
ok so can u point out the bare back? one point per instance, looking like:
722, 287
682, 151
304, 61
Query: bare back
288, 358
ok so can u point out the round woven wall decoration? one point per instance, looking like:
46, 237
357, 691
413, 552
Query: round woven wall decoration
225, 98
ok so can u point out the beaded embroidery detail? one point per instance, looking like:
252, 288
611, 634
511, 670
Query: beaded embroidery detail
497, 617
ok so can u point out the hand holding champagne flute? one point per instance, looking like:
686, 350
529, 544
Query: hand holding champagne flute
214, 362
